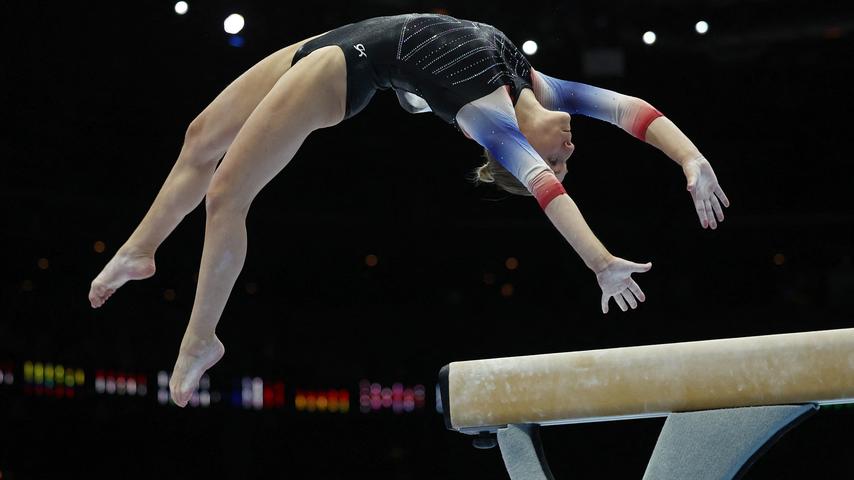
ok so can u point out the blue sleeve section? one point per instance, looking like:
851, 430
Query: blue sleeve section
629, 113
580, 98
495, 128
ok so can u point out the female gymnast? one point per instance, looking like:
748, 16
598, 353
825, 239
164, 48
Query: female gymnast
468, 73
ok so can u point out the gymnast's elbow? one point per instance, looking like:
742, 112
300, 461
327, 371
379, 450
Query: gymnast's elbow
635, 116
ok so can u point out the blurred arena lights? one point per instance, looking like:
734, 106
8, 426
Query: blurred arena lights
254, 393
257, 393
529, 47
371, 260
201, 397
7, 375
236, 41
512, 263
234, 23
649, 37
331, 400
162, 387
374, 397
51, 380
701, 27
107, 382
274, 394
250, 392
181, 8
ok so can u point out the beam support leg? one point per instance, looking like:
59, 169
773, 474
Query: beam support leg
522, 452
719, 444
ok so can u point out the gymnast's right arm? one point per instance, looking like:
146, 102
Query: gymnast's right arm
491, 122
644, 122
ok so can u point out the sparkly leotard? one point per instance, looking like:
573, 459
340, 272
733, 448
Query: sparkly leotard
433, 62
454, 68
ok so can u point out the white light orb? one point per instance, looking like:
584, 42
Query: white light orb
529, 47
181, 8
234, 23
702, 27
649, 38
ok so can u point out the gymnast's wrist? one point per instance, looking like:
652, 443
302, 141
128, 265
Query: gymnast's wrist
688, 157
600, 261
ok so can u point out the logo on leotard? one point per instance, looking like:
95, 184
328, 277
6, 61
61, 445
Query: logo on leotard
361, 49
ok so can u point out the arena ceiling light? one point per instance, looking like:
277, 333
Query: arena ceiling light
529, 47
233, 24
649, 37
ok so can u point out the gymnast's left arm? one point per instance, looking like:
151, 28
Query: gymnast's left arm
491, 122
646, 123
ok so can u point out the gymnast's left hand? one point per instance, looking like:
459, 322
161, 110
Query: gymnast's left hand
705, 191
616, 281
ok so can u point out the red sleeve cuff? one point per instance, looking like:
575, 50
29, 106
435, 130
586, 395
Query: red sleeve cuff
545, 188
643, 120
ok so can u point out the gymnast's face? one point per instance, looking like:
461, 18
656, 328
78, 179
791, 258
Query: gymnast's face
553, 140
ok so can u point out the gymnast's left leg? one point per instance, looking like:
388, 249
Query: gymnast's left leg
304, 99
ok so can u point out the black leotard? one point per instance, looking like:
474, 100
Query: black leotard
441, 60
454, 68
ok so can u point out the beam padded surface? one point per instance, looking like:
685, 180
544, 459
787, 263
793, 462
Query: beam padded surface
808, 367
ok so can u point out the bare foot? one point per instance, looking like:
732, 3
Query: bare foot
194, 358
125, 265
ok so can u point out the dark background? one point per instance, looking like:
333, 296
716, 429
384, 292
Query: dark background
97, 98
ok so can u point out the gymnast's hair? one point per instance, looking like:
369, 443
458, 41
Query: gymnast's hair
494, 172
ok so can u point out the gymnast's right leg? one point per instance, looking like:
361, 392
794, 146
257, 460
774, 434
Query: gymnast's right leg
205, 142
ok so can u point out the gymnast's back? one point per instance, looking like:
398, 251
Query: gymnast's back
433, 62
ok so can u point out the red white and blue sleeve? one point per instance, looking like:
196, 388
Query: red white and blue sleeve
491, 122
629, 113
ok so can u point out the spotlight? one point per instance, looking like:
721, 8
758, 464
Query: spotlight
649, 38
234, 23
701, 27
181, 8
529, 47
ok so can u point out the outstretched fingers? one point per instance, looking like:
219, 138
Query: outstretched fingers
710, 214
621, 302
716, 206
630, 299
616, 282
721, 195
636, 290
701, 211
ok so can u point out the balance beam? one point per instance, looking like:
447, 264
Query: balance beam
653, 380
724, 399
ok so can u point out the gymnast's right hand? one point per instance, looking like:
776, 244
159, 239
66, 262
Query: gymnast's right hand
616, 281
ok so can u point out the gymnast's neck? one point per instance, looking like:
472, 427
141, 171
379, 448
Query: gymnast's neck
528, 111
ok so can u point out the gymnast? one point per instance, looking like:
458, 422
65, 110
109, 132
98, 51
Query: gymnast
468, 73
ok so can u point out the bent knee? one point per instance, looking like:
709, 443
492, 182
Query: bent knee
202, 147
224, 198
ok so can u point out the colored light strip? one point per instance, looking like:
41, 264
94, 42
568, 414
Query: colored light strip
373, 397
